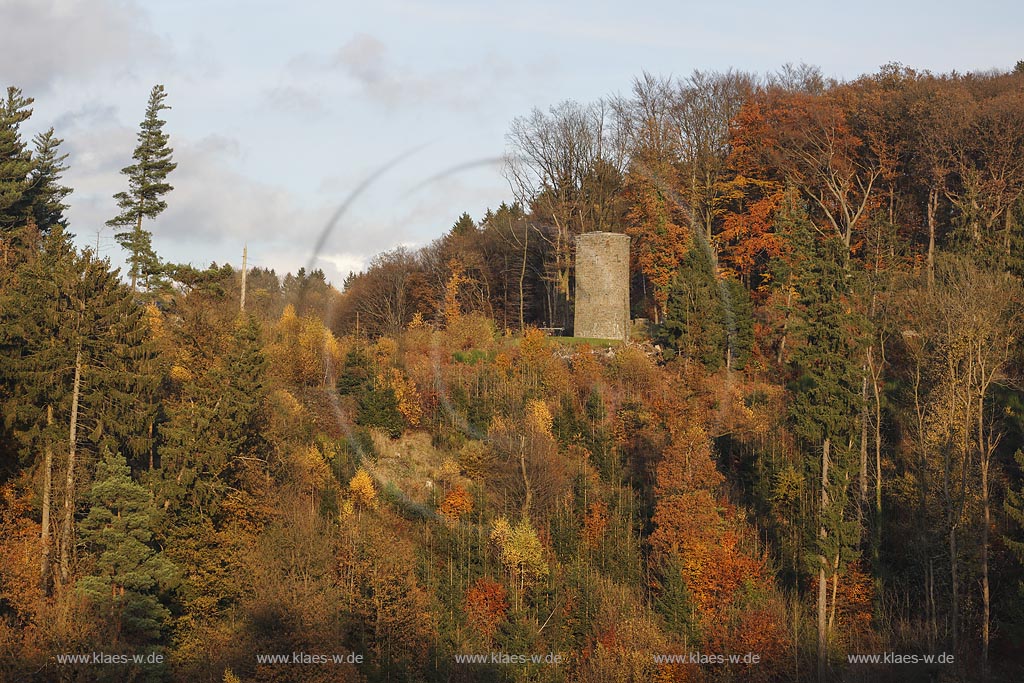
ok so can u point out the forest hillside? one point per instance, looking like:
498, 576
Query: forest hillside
809, 454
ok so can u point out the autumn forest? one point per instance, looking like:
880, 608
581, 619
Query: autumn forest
809, 453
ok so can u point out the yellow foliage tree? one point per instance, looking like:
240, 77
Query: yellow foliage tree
521, 552
406, 393
364, 493
538, 417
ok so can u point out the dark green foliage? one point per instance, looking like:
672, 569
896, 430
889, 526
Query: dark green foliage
127, 572
1014, 507
357, 373
469, 414
46, 194
463, 227
672, 601
62, 304
695, 318
147, 184
739, 319
215, 420
15, 169
379, 408
828, 343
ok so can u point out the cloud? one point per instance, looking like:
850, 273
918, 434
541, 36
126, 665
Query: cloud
213, 201
345, 263
370, 67
47, 42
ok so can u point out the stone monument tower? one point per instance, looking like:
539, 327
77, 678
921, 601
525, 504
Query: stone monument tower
602, 286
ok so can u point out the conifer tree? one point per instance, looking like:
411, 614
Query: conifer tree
46, 193
1014, 507
694, 318
34, 363
128, 571
825, 394
147, 184
465, 226
15, 167
212, 422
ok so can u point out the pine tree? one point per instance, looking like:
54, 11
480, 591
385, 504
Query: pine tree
146, 185
1014, 507
15, 167
825, 398
694, 318
464, 227
46, 193
127, 571
34, 366
213, 422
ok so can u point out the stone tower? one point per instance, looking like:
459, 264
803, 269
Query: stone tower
602, 286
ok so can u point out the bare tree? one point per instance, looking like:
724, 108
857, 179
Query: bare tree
566, 166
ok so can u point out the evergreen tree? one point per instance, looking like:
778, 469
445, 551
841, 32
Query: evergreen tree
46, 193
34, 378
76, 360
825, 398
147, 183
127, 571
695, 313
214, 420
1014, 507
463, 227
15, 168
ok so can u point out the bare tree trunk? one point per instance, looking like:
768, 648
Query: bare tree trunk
932, 608
835, 591
785, 325
526, 479
863, 440
876, 376
522, 279
69, 488
822, 585
46, 568
933, 202
955, 607
986, 453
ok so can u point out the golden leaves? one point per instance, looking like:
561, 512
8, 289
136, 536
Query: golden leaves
406, 394
364, 493
538, 417
457, 503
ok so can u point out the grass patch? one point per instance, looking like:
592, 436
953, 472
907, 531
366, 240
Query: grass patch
592, 341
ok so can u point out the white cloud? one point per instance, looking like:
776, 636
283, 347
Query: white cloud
47, 42
345, 263
371, 68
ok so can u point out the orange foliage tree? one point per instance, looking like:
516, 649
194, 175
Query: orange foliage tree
659, 239
486, 606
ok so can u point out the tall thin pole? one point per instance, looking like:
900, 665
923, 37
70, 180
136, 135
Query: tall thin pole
245, 256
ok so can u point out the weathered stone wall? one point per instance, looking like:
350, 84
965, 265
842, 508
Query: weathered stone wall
602, 286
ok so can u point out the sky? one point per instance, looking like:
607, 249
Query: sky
281, 111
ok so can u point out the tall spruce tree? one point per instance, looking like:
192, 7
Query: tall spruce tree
695, 313
828, 335
1014, 507
15, 167
147, 184
35, 361
77, 371
46, 194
